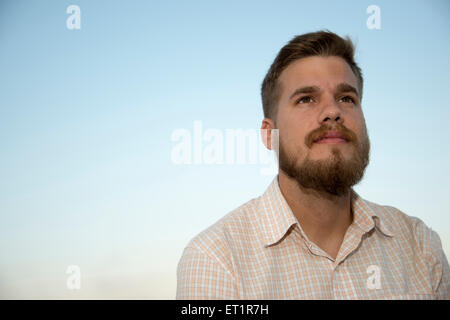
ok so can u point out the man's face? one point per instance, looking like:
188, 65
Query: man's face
323, 138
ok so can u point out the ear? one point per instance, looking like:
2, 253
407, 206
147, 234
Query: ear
266, 132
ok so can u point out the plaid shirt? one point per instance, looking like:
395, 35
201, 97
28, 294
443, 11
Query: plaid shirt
259, 251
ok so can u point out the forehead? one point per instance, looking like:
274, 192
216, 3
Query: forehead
323, 72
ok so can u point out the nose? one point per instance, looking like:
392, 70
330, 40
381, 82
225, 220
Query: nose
331, 113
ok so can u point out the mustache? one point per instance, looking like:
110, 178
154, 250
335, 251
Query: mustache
318, 133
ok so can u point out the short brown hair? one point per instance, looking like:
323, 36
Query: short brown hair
321, 43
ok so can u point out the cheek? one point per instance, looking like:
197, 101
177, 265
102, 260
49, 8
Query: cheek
293, 143
293, 135
293, 130
362, 131
357, 124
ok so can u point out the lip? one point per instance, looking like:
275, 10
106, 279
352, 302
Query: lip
331, 137
331, 141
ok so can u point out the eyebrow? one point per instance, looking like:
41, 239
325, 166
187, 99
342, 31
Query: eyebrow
342, 87
310, 89
345, 87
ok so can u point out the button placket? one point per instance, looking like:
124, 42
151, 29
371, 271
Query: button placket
335, 282
343, 286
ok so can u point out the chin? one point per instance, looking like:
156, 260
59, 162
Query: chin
331, 153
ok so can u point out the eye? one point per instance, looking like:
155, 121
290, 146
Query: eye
305, 99
348, 99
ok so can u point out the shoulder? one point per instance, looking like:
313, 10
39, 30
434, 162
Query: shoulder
406, 227
219, 240
411, 232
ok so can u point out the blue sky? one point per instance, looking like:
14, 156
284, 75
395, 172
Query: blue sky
86, 119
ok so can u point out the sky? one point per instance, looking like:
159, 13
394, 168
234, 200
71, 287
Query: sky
88, 119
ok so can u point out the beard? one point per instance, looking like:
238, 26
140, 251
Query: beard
334, 175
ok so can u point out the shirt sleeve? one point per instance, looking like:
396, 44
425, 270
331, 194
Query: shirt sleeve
201, 277
437, 263
439, 267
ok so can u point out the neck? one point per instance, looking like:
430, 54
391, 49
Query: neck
323, 217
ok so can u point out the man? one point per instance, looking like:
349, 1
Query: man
310, 235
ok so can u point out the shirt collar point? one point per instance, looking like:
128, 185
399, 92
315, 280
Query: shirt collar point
368, 209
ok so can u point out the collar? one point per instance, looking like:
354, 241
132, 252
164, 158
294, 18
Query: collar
276, 217
367, 215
